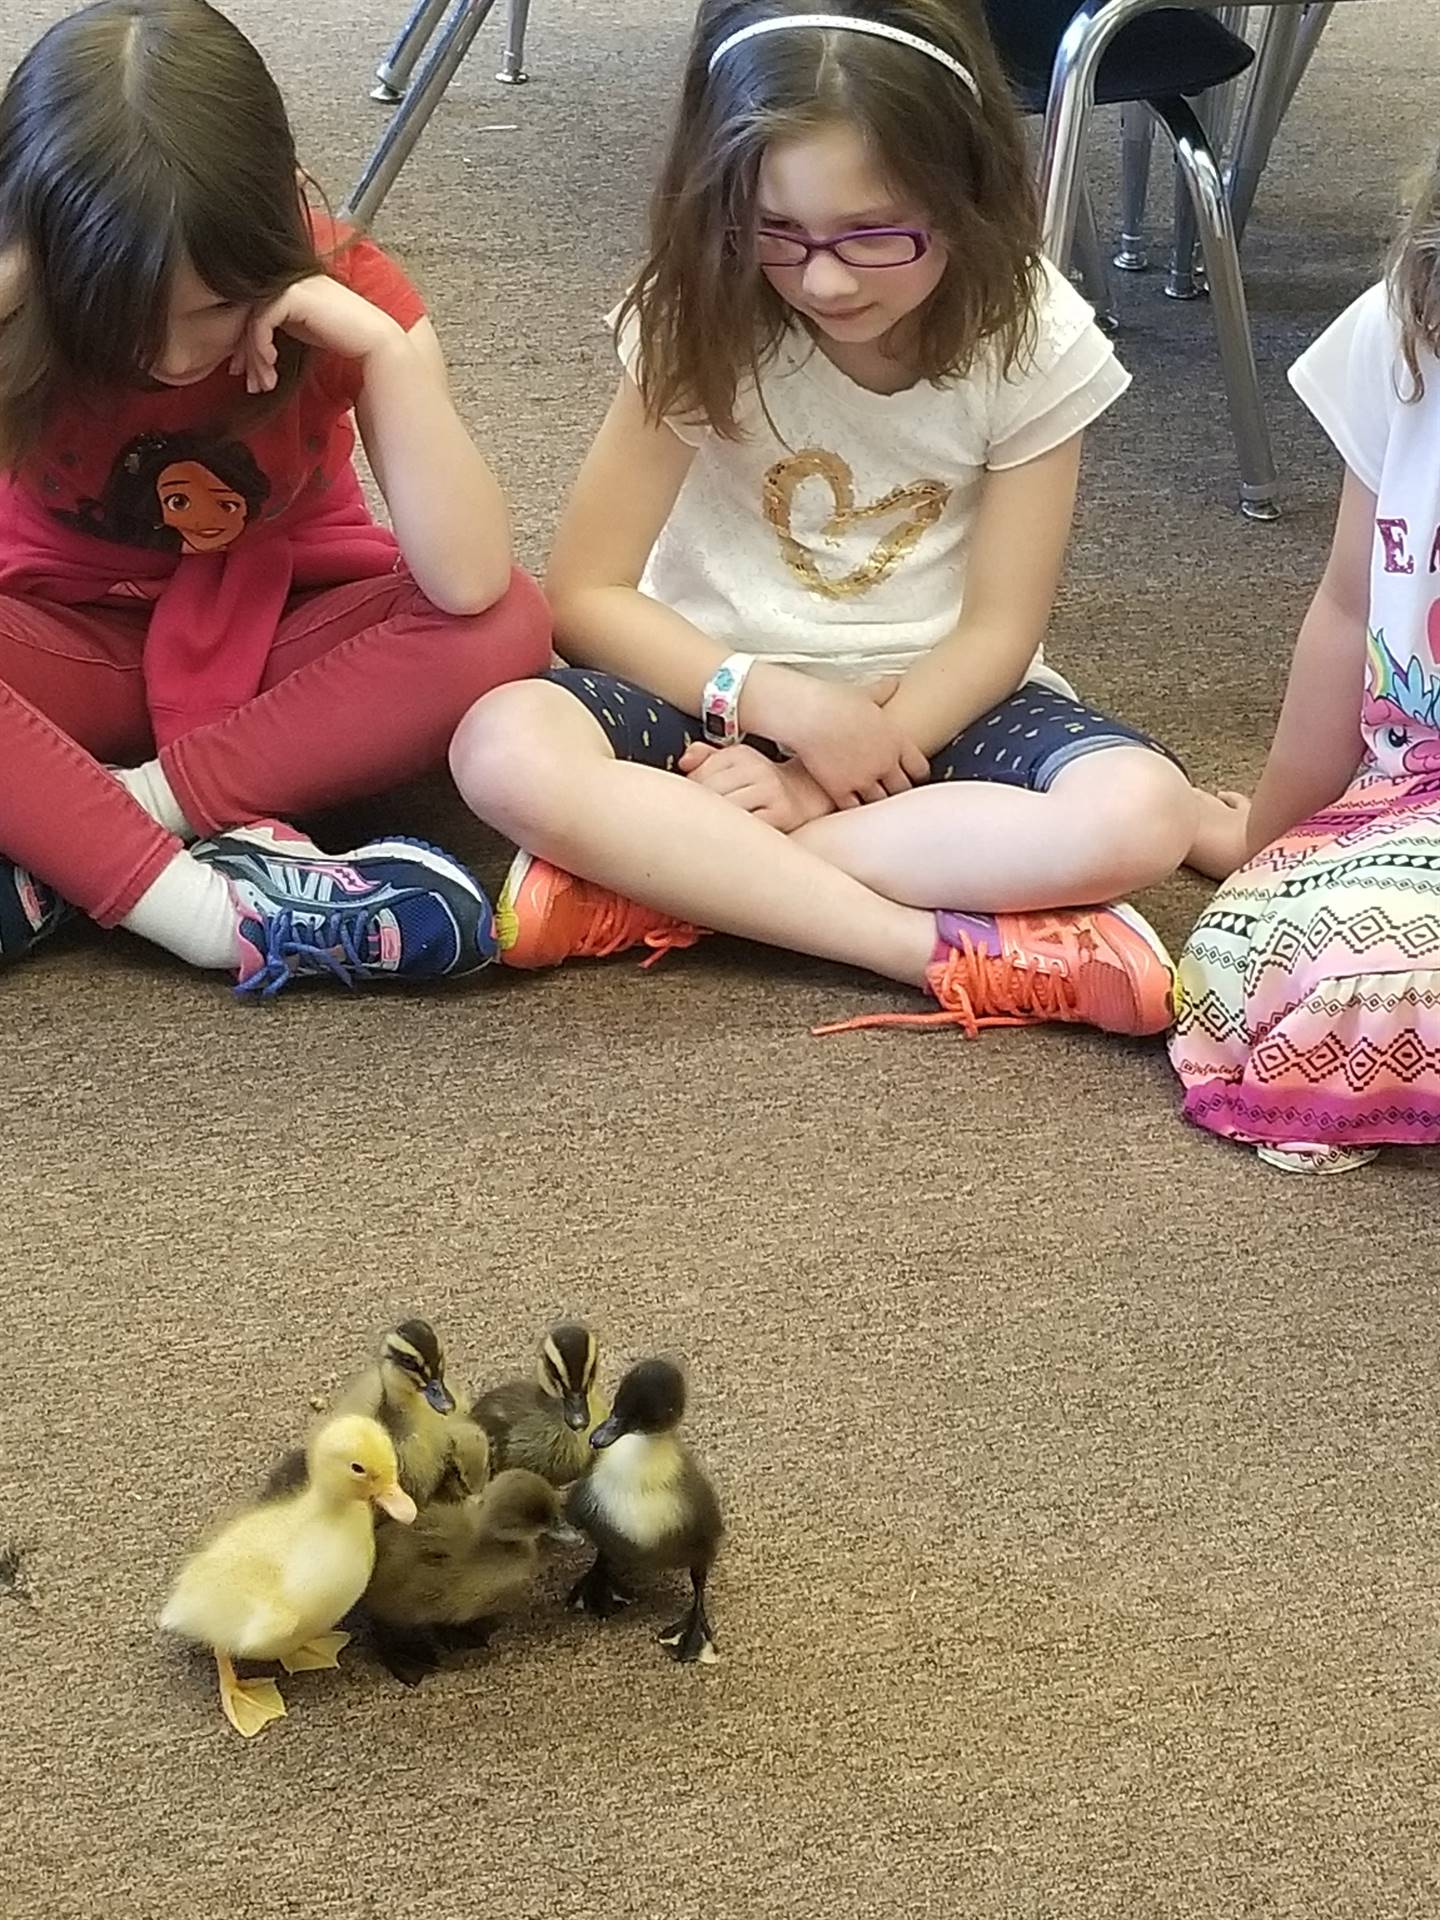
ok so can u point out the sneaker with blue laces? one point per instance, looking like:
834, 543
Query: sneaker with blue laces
393, 911
28, 911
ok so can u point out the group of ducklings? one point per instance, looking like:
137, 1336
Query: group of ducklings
430, 1516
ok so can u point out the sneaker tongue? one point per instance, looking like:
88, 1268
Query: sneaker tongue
982, 930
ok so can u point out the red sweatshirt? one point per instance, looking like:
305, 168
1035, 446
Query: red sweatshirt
147, 494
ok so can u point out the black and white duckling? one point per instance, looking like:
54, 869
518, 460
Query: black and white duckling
647, 1505
544, 1424
456, 1569
442, 1452
273, 1583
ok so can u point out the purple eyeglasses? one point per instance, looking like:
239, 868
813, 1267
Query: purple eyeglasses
863, 247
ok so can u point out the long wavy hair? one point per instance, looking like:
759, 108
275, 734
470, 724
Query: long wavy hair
1415, 276
136, 135
707, 316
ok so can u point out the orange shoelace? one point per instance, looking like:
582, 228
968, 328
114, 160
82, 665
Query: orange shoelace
619, 923
1011, 995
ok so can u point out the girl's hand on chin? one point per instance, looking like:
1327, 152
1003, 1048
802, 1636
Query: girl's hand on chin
319, 312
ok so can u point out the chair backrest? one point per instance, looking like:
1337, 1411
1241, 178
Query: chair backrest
1027, 32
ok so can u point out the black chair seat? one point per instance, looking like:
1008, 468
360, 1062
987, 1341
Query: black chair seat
1170, 51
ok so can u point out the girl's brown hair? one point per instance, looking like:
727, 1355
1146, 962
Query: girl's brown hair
707, 316
134, 136
1415, 277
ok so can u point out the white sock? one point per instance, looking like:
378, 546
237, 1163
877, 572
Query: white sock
190, 911
153, 791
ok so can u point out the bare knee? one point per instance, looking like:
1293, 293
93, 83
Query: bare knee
1133, 823
514, 754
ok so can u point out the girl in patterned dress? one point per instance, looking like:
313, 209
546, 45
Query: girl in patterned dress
1309, 1022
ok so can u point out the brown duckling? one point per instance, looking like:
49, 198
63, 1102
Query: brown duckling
441, 1452
647, 1505
459, 1566
544, 1424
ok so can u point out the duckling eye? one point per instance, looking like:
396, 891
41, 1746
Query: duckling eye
357, 1466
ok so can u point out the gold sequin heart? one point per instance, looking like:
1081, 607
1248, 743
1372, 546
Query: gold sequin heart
922, 502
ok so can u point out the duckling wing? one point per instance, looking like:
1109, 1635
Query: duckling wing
289, 1475
468, 1468
417, 1567
231, 1594
499, 1410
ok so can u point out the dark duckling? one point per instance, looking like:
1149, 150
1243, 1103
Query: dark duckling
647, 1506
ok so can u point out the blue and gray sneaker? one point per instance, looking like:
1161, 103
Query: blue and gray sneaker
28, 911
394, 911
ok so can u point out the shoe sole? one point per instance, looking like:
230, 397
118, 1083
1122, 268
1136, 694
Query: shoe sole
1317, 1160
507, 916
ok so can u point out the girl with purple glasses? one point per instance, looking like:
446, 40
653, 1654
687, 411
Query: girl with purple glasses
809, 562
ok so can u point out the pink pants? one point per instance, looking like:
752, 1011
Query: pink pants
364, 687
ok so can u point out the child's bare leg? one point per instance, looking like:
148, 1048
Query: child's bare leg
533, 762
1110, 824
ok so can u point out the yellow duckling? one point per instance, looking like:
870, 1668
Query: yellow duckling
273, 1582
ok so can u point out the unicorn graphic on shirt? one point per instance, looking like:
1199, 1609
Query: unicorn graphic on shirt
1402, 703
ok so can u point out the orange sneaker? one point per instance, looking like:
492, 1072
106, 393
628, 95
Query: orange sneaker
544, 916
1100, 967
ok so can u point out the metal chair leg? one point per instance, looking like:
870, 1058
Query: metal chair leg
1137, 135
1215, 110
408, 121
1317, 18
1182, 282
1258, 480
512, 65
399, 63
1265, 103
1092, 263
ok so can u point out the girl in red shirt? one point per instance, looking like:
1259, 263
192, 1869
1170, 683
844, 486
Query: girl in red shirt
201, 625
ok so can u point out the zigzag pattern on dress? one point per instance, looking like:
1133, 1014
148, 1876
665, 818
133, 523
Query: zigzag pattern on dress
1218, 1018
1215, 1106
1393, 864
1199, 953
1358, 1061
1212, 1014
1357, 932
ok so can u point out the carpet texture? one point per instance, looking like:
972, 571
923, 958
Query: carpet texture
1081, 1472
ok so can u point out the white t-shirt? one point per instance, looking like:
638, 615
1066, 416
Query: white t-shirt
1354, 380
840, 546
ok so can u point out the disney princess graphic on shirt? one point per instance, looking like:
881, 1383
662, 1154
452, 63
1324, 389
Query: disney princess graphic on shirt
183, 493
1401, 710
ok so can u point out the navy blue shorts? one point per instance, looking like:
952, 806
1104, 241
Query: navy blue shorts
1024, 742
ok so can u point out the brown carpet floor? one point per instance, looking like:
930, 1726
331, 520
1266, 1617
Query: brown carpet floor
1081, 1473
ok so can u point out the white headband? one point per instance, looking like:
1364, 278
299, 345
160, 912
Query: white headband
844, 23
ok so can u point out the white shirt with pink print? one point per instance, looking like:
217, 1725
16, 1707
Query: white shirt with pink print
1356, 383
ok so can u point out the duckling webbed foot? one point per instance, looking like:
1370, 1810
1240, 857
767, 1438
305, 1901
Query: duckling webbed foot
598, 1594
409, 1657
690, 1640
313, 1655
475, 1634
248, 1705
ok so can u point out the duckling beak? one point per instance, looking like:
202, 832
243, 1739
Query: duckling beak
396, 1502
577, 1412
439, 1396
607, 1433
